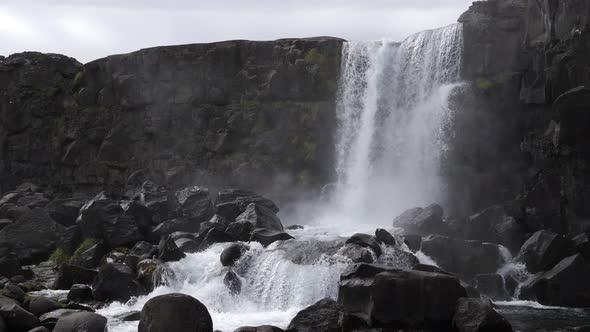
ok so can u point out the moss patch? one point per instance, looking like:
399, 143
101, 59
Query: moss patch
59, 257
85, 245
484, 84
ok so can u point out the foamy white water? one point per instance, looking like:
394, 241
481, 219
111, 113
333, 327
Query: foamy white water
394, 122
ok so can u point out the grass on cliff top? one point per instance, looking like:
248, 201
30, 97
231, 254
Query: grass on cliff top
314, 57
85, 245
59, 257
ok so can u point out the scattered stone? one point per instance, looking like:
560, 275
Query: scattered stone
49, 320
478, 315
543, 250
195, 205
324, 316
81, 321
40, 305
131, 316
9, 265
115, 282
15, 317
366, 241
231, 254
14, 292
175, 312
80, 293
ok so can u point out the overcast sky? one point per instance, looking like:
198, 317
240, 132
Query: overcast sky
90, 29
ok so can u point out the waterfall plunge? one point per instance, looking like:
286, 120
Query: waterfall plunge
394, 123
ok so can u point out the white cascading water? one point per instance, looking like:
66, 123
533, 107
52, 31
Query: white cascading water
394, 122
392, 111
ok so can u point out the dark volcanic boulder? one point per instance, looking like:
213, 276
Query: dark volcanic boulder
152, 273
464, 258
414, 242
65, 211
324, 316
115, 282
194, 204
478, 315
240, 231
493, 225
32, 237
422, 221
14, 292
89, 258
81, 321
122, 231
383, 236
80, 293
9, 264
96, 213
233, 253
170, 226
50, 319
581, 243
419, 299
175, 312
232, 202
367, 241
492, 285
215, 235
40, 305
564, 285
543, 250
266, 236
232, 282
168, 251
260, 217
69, 275
16, 318
357, 254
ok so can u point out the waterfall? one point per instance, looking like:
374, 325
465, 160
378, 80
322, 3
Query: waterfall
394, 122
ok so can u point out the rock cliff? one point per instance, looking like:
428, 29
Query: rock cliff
252, 114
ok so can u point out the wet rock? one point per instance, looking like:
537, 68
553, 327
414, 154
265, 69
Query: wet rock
65, 211
32, 237
96, 213
414, 242
81, 321
91, 257
543, 250
80, 293
240, 231
232, 282
40, 305
260, 217
50, 319
215, 235
564, 285
294, 227
232, 253
216, 221
357, 254
143, 216
70, 275
430, 268
366, 241
478, 315
232, 202
175, 225
414, 298
9, 265
267, 237
115, 282
495, 226
195, 205
118, 255
421, 221
168, 251
323, 316
143, 250
461, 257
38, 329
492, 285
152, 273
131, 316
122, 231
16, 318
581, 243
14, 292
175, 312
383, 236
187, 245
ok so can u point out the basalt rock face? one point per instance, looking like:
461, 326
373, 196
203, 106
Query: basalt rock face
235, 112
524, 106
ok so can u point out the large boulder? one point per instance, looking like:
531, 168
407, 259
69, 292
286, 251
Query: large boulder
81, 321
175, 312
122, 231
80, 293
9, 264
69, 275
564, 285
194, 204
32, 237
152, 273
260, 217
168, 251
418, 299
115, 282
41, 304
16, 318
421, 221
170, 226
383, 236
96, 213
65, 211
543, 250
232, 253
478, 315
494, 225
463, 257
324, 316
232, 202
262, 328
266, 236
493, 286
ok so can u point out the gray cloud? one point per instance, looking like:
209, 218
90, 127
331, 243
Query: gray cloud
89, 29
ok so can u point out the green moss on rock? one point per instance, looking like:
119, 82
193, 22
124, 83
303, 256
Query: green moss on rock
59, 257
